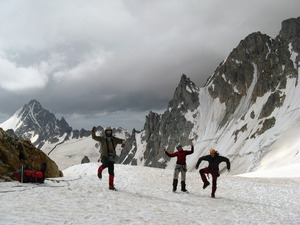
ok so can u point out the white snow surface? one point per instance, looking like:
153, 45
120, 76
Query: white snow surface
144, 196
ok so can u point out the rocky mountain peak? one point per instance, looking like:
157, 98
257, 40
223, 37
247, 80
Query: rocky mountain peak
35, 121
33, 104
168, 129
259, 60
185, 96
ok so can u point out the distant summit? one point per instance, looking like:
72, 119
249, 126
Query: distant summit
55, 137
34, 122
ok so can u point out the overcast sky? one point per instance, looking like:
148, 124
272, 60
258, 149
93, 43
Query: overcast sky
109, 62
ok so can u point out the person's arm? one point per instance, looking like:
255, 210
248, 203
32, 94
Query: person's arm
169, 154
192, 150
119, 141
224, 159
96, 138
228, 163
199, 161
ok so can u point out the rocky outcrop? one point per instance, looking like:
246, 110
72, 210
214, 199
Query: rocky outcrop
10, 150
85, 160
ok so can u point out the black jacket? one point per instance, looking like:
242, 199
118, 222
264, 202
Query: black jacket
213, 163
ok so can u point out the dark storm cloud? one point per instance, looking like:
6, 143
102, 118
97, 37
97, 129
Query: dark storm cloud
90, 59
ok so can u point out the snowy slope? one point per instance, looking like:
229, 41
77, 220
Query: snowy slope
13, 122
72, 151
281, 142
145, 197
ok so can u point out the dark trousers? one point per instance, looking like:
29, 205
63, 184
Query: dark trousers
107, 164
214, 174
111, 166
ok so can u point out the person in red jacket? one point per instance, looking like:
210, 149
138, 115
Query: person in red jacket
180, 166
214, 159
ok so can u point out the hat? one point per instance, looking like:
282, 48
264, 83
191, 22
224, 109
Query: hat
178, 146
212, 151
108, 129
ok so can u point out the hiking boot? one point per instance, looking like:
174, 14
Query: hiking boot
206, 184
183, 185
183, 189
100, 175
112, 188
175, 182
212, 195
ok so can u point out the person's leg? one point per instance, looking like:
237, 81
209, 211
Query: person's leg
214, 183
175, 178
102, 167
183, 178
111, 175
203, 177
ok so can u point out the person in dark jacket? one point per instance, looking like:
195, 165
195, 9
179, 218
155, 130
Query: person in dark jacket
214, 159
180, 166
108, 153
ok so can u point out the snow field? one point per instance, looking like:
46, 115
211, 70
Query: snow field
145, 196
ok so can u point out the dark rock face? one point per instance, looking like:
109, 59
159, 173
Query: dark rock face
85, 160
274, 100
10, 160
35, 120
269, 59
168, 129
290, 32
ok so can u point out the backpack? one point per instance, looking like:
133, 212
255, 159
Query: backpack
31, 176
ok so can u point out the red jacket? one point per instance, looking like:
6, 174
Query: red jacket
181, 155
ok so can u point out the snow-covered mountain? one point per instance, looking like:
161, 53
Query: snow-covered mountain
34, 122
249, 110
